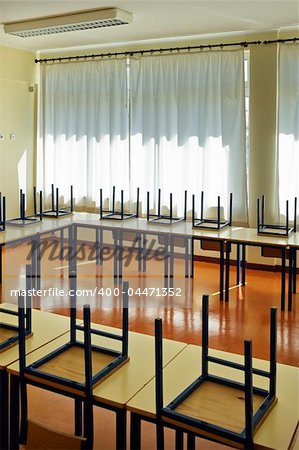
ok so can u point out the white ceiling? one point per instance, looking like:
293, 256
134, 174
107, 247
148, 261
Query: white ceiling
153, 19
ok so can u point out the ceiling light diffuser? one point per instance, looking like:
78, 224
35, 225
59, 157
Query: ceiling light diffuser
83, 20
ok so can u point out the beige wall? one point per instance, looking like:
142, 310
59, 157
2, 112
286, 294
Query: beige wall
18, 73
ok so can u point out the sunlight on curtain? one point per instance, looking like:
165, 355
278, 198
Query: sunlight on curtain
84, 129
188, 121
288, 125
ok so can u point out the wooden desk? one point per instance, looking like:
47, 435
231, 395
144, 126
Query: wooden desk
227, 236
277, 431
115, 391
45, 327
249, 237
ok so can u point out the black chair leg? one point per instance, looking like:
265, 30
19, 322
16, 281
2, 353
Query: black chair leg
135, 432
190, 442
179, 440
160, 436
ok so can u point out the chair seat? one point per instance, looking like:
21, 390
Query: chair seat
69, 365
40, 437
219, 405
216, 404
6, 333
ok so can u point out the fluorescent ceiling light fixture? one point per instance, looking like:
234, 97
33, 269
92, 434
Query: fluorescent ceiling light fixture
82, 20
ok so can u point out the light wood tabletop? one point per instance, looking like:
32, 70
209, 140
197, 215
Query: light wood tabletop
45, 327
14, 233
184, 228
124, 383
276, 432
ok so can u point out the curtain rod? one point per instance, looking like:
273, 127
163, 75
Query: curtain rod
163, 50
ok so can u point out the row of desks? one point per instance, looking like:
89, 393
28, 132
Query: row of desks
239, 236
233, 234
132, 388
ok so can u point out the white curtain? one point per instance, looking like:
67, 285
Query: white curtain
84, 129
288, 125
188, 128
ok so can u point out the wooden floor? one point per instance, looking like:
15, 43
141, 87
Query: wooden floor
245, 316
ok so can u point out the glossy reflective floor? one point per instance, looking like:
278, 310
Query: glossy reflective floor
246, 316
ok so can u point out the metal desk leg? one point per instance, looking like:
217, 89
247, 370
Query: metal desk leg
290, 289
98, 245
139, 252
38, 262
243, 264
192, 258
135, 432
121, 429
4, 410
14, 412
115, 256
179, 440
283, 278
227, 268
166, 262
61, 244
34, 261
171, 260
238, 264
221, 269
186, 241
159, 435
72, 249
190, 442
78, 417
120, 254
144, 253
294, 270
1, 265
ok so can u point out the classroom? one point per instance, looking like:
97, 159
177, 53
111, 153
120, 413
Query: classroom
149, 177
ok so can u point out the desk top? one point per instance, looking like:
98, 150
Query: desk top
129, 379
183, 229
14, 233
45, 326
276, 433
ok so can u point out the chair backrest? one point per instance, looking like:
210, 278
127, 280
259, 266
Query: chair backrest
40, 437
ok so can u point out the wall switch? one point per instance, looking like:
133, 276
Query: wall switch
12, 136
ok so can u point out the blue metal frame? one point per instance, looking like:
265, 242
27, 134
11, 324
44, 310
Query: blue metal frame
23, 219
27, 315
120, 356
162, 219
2, 212
56, 209
87, 389
217, 224
275, 230
81, 392
219, 433
114, 214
